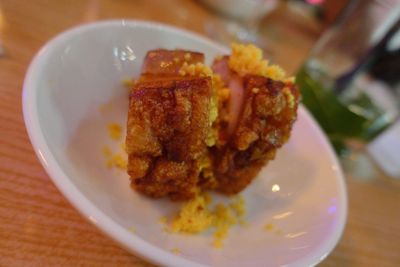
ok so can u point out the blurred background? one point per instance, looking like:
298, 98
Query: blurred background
345, 55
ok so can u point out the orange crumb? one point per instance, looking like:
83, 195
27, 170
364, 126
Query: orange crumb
114, 131
176, 251
269, 226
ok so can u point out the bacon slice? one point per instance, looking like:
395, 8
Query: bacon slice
234, 82
221, 67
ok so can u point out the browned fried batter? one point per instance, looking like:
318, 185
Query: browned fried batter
264, 125
169, 122
167, 126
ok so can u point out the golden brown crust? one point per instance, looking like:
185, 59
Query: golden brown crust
167, 127
264, 126
169, 122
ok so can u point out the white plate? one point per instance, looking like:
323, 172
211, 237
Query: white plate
82, 69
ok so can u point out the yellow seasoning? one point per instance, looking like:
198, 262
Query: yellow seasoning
106, 151
114, 131
114, 160
269, 226
197, 216
129, 83
119, 162
176, 251
163, 220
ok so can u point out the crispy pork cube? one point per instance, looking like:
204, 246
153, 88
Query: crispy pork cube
168, 122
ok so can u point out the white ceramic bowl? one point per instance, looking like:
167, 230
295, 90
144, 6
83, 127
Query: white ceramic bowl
82, 69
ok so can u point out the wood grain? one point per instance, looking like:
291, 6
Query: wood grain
38, 227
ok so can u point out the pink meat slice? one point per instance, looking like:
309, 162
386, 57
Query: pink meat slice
235, 83
235, 102
221, 67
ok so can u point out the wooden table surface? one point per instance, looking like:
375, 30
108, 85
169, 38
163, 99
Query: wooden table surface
38, 227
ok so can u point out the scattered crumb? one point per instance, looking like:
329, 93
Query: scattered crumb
219, 237
106, 151
128, 83
194, 217
279, 232
255, 90
269, 226
197, 216
122, 146
163, 220
117, 161
239, 206
132, 229
114, 160
114, 131
176, 251
224, 219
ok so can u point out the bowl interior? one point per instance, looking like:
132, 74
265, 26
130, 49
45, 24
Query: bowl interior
74, 90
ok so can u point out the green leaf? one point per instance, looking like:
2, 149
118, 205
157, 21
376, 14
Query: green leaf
333, 116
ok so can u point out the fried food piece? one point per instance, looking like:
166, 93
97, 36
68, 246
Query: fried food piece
191, 128
268, 113
168, 122
163, 144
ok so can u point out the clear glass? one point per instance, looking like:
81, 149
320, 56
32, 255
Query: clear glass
352, 41
350, 104
239, 20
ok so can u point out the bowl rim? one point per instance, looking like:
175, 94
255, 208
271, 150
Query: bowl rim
87, 209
